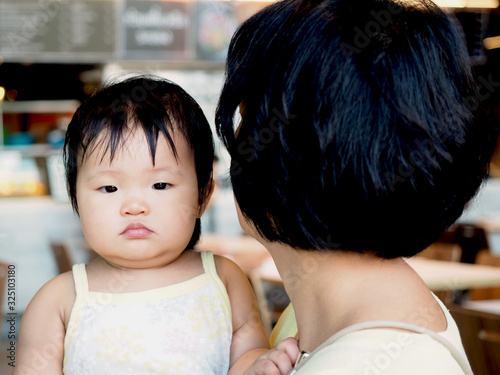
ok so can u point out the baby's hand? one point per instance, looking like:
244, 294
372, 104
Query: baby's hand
277, 361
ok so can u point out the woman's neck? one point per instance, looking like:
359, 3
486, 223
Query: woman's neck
333, 290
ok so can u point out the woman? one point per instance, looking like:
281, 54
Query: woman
359, 145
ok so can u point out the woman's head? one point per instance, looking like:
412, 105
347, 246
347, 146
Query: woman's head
152, 106
359, 129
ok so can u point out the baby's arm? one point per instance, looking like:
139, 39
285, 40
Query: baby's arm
250, 341
42, 331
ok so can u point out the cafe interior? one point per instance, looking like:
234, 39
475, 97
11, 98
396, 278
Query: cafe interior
53, 55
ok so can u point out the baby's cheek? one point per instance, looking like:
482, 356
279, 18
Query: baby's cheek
187, 213
95, 227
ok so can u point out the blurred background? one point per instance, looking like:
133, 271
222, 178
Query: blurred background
54, 53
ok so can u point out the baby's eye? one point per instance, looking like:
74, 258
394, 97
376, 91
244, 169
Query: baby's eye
108, 189
160, 186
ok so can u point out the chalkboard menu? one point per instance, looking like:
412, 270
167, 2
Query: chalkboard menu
95, 31
57, 30
216, 22
157, 30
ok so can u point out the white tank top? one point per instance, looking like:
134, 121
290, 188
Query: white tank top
177, 329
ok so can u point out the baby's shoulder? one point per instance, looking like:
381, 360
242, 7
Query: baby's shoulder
60, 287
55, 299
226, 268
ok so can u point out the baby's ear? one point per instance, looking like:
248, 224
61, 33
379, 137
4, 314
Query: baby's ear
207, 197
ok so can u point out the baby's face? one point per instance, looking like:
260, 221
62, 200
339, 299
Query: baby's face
134, 214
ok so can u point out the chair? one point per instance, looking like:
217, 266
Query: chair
271, 299
485, 257
448, 251
480, 333
442, 251
460, 243
472, 239
260, 296
61, 255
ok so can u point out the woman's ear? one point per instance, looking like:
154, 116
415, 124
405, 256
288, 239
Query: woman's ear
207, 197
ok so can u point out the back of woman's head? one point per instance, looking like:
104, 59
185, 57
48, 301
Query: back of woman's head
359, 127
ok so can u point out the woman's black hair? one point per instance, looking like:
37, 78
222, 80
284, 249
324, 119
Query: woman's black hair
156, 105
359, 127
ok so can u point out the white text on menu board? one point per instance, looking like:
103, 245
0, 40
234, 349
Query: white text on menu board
154, 26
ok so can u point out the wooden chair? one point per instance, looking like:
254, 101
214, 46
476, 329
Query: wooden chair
460, 243
480, 332
485, 257
271, 299
472, 239
443, 251
260, 296
448, 251
61, 255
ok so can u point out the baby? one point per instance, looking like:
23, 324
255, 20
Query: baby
138, 157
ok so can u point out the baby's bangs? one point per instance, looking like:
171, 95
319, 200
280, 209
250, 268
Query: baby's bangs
114, 139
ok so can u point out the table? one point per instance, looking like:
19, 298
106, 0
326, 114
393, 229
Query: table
245, 251
443, 275
439, 275
491, 306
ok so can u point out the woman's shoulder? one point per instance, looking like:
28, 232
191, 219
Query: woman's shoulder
383, 351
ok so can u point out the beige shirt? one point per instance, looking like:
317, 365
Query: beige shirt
382, 351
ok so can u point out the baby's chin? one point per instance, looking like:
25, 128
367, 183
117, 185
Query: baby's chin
136, 264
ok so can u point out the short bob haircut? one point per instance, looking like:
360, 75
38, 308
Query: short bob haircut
156, 105
359, 128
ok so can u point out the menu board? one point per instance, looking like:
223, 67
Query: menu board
57, 30
215, 24
153, 30
96, 31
